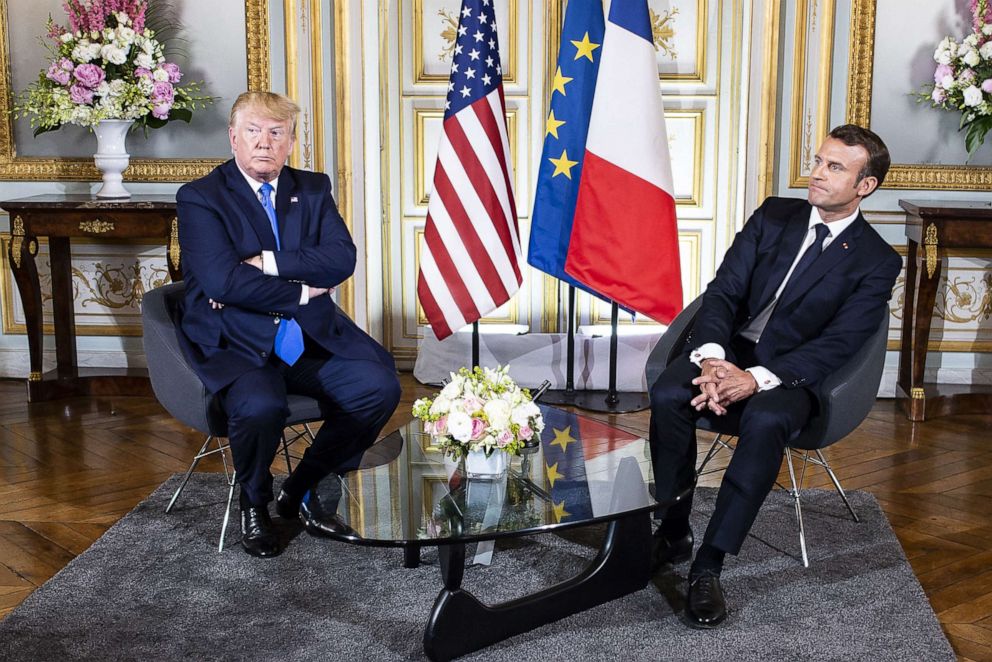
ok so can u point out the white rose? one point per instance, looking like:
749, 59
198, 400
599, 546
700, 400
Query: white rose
66, 38
971, 40
82, 53
144, 60
160, 75
441, 405
498, 413
948, 82
972, 96
460, 426
113, 54
971, 58
942, 57
125, 35
452, 389
94, 51
986, 50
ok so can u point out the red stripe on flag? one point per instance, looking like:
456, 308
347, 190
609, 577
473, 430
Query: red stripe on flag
624, 240
438, 323
470, 238
449, 272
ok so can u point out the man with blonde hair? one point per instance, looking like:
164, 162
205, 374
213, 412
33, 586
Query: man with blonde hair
263, 247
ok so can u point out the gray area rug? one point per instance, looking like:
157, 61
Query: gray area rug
154, 588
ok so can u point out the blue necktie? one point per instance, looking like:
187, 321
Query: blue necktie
813, 252
289, 337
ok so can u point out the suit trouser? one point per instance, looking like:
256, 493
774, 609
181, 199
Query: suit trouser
765, 423
356, 398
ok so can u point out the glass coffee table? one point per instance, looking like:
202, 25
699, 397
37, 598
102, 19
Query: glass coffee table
581, 473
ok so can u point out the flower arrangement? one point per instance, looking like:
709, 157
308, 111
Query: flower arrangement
963, 77
107, 65
480, 410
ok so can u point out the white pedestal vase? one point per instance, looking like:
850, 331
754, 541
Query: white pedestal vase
111, 157
477, 465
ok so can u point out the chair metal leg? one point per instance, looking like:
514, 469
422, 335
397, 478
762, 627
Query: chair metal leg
189, 472
285, 452
840, 490
719, 442
799, 507
227, 511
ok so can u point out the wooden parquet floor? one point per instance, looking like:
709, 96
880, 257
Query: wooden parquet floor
70, 469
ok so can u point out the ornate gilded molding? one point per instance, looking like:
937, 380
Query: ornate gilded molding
917, 394
663, 31
16, 240
96, 226
20, 168
173, 249
859, 85
810, 107
930, 244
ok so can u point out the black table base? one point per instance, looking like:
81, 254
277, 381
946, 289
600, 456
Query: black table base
460, 623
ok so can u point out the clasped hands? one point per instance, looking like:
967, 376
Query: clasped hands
721, 384
256, 261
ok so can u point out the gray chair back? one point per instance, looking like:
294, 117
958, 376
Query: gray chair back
846, 395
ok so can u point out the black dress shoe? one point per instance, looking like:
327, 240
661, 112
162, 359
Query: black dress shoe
258, 536
705, 606
674, 552
287, 505
321, 521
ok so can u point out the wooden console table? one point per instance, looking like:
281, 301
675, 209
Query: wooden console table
60, 217
936, 225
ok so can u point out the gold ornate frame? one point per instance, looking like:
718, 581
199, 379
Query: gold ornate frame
13, 167
901, 175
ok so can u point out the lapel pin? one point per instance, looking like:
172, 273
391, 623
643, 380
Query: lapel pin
295, 199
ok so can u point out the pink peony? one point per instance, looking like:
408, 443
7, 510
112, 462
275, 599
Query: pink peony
80, 95
141, 72
163, 92
942, 71
161, 110
987, 86
478, 428
89, 75
173, 70
58, 73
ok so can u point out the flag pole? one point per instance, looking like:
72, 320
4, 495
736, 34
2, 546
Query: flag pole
566, 396
475, 344
611, 401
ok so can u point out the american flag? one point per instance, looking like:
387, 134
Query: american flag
470, 265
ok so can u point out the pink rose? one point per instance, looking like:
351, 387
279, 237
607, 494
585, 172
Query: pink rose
441, 426
89, 75
942, 71
161, 110
141, 72
526, 433
173, 70
987, 86
163, 92
472, 404
80, 95
939, 95
504, 439
967, 77
478, 428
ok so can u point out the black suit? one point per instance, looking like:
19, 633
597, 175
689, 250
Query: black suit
829, 311
221, 223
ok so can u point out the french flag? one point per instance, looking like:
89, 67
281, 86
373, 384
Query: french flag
624, 241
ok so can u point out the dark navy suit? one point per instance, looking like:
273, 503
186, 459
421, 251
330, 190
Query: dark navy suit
831, 310
221, 223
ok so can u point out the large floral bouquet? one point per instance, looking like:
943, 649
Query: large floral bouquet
481, 410
963, 77
107, 65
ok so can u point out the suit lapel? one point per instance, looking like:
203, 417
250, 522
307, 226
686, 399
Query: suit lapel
792, 238
257, 219
842, 246
288, 211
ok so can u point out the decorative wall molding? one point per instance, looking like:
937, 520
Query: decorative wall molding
813, 66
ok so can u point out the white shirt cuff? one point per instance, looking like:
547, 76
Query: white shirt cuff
765, 378
304, 295
709, 350
269, 266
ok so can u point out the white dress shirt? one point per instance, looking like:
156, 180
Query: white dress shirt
764, 377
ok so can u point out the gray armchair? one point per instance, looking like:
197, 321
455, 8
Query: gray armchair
846, 397
182, 394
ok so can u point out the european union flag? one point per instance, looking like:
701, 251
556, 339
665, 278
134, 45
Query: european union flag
565, 463
565, 139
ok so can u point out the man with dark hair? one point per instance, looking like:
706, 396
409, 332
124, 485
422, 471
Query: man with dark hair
263, 245
805, 283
